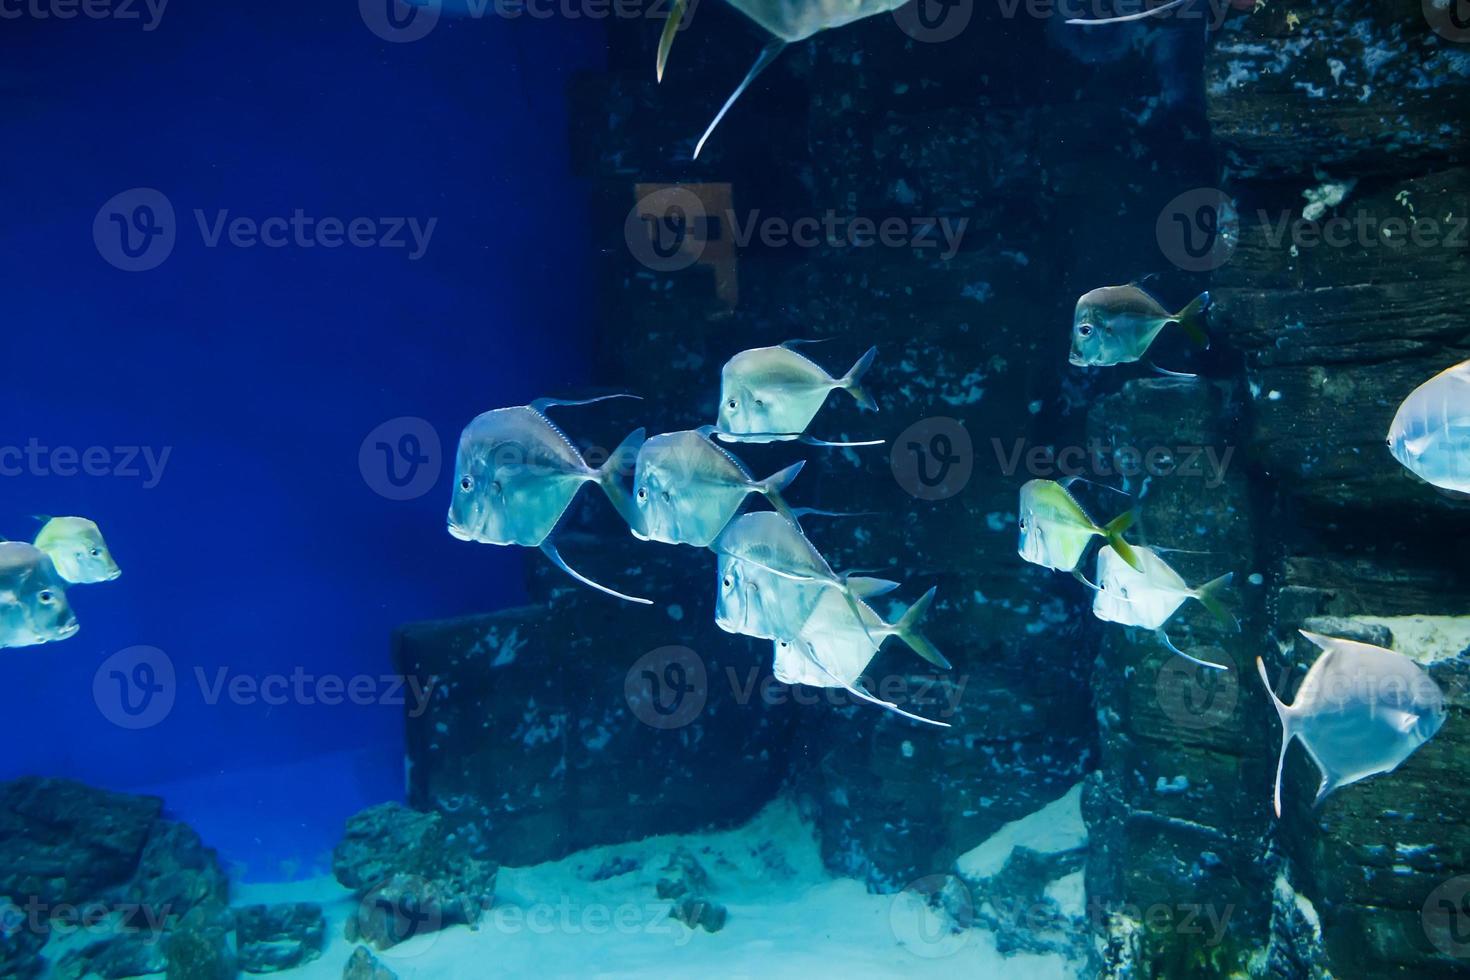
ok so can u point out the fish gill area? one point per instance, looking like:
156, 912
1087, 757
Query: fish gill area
1059, 153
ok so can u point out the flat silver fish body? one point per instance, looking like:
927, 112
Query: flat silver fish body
1147, 598
1430, 434
1361, 711
1115, 325
515, 474
33, 604
771, 391
832, 648
1054, 529
687, 488
755, 601
797, 20
77, 549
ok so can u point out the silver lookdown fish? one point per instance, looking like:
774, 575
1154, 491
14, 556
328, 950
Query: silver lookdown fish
33, 604
516, 474
788, 21
1117, 324
1361, 710
1056, 530
770, 394
1151, 596
75, 546
688, 488
755, 601
834, 648
1430, 434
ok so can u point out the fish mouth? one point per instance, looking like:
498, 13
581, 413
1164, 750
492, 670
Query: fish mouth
1076, 360
68, 631
459, 533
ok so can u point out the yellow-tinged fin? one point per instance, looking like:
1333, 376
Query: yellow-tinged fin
1191, 320
907, 629
666, 39
1113, 531
1209, 596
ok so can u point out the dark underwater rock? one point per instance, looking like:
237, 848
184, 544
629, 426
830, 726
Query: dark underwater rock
363, 965
699, 912
271, 938
412, 875
200, 954
682, 876
62, 842
588, 720
178, 875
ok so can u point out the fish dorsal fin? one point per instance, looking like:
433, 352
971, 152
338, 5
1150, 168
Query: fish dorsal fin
540, 405
768, 54
557, 431
1288, 716
801, 342
1067, 481
706, 431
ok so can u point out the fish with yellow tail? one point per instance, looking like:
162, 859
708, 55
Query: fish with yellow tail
516, 474
1056, 530
1150, 597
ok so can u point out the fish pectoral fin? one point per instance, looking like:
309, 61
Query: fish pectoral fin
1129, 17
541, 404
1168, 643
1077, 574
550, 551
768, 54
1401, 721
666, 40
1330, 781
1172, 374
858, 692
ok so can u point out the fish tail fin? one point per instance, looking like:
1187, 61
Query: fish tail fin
768, 54
907, 629
1288, 732
1210, 594
867, 588
852, 381
666, 40
1191, 320
550, 551
1127, 17
610, 478
771, 488
1113, 531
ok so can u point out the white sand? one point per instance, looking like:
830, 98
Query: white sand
788, 919
1054, 828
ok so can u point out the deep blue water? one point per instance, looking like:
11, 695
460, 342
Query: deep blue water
262, 548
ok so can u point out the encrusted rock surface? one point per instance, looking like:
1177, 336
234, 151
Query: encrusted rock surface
271, 938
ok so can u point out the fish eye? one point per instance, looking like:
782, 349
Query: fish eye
759, 402
96, 552
729, 582
732, 403
1084, 330
47, 596
467, 483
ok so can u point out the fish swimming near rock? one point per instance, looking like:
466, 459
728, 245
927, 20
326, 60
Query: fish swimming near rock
1151, 596
1117, 324
1056, 530
33, 604
516, 474
1361, 710
770, 394
1430, 434
77, 549
833, 648
687, 488
788, 21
